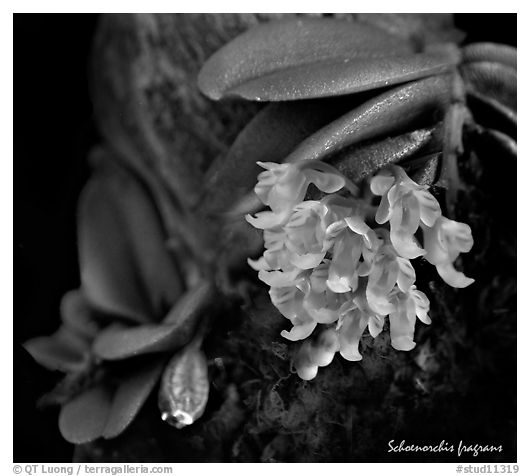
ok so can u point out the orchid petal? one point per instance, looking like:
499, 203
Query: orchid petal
319, 276
375, 325
326, 182
380, 282
402, 329
429, 207
299, 331
288, 301
381, 184
451, 276
279, 279
346, 254
407, 275
307, 261
383, 211
259, 264
350, 334
422, 305
265, 220
403, 224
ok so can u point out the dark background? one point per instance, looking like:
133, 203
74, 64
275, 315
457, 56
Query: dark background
53, 132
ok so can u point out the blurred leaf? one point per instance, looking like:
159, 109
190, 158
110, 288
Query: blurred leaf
289, 43
130, 395
83, 419
190, 306
492, 52
125, 266
492, 114
118, 342
271, 135
77, 314
493, 80
342, 76
64, 351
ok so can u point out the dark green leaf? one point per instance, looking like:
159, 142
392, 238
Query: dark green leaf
130, 395
64, 351
493, 80
178, 328
288, 43
77, 314
83, 419
271, 135
359, 162
492, 52
342, 76
125, 266
492, 114
390, 112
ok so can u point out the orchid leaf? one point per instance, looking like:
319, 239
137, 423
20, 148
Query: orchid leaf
390, 112
359, 162
342, 76
271, 135
64, 351
130, 395
125, 266
428, 172
118, 342
286, 44
84, 418
492, 114
494, 80
77, 314
494, 52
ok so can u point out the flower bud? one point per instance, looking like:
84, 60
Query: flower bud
325, 347
307, 373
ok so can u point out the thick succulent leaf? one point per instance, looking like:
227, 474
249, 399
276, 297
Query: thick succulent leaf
289, 43
342, 76
390, 112
65, 350
84, 418
117, 342
125, 266
493, 52
427, 174
130, 395
494, 80
77, 314
359, 162
271, 135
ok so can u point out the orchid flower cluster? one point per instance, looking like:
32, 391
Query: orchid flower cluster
327, 266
